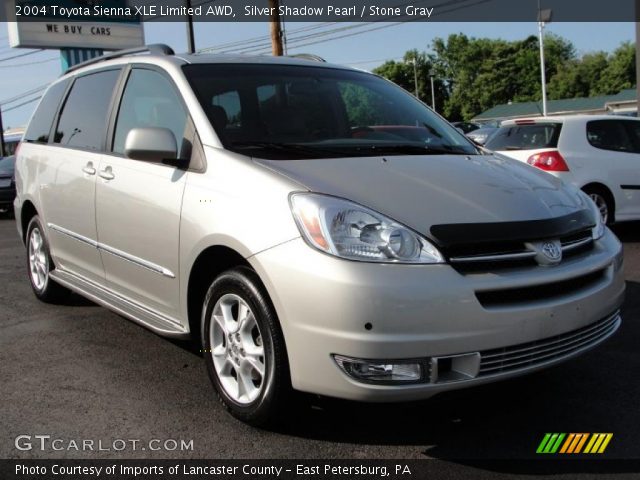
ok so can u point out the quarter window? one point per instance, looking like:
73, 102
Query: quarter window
40, 125
633, 127
83, 121
149, 100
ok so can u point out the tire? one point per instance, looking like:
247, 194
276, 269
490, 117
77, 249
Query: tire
604, 201
244, 348
39, 264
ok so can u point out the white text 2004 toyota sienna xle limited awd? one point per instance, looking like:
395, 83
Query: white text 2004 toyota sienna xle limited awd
316, 227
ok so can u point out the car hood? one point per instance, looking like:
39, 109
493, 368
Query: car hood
423, 191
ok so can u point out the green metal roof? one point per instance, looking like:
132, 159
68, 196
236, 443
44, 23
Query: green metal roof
524, 109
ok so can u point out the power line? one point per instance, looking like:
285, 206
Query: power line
21, 104
351, 27
29, 63
388, 25
261, 38
294, 39
364, 62
20, 96
22, 55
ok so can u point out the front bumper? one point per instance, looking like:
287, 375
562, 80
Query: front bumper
360, 310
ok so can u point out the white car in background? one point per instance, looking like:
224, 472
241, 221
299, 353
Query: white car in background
599, 154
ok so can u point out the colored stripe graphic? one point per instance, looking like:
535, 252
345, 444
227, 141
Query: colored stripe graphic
573, 443
550, 443
581, 443
567, 442
543, 443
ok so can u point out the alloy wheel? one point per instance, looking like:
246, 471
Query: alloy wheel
38, 259
602, 205
237, 349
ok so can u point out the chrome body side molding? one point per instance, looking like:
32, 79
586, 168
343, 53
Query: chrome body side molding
114, 251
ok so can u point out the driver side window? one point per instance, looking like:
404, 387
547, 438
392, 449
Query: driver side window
149, 100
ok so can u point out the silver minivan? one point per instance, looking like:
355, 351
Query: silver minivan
315, 227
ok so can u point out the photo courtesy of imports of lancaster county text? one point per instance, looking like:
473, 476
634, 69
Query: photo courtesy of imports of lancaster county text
317, 10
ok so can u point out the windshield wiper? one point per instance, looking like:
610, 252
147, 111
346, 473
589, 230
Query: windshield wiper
411, 149
349, 150
307, 150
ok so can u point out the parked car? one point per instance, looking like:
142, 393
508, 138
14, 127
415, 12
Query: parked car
250, 202
466, 127
11, 142
598, 154
482, 135
7, 183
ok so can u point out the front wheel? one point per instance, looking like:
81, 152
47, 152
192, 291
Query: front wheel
244, 349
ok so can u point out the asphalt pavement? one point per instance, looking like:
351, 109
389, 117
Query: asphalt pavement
78, 371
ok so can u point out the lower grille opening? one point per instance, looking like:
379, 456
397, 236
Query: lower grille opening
531, 354
547, 291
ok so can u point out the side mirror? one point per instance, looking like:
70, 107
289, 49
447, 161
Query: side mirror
151, 144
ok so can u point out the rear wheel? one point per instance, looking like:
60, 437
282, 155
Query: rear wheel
244, 348
39, 265
604, 201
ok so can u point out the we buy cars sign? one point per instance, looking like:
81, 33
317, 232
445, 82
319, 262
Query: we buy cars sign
106, 25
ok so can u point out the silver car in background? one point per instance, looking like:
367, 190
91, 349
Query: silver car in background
257, 205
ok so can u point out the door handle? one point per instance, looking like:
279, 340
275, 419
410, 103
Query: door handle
88, 169
107, 174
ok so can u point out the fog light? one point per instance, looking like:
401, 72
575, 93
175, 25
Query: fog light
380, 371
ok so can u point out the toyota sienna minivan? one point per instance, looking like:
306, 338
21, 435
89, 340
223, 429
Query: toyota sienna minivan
257, 204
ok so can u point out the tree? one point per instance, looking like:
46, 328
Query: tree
485, 72
476, 74
402, 73
620, 72
578, 77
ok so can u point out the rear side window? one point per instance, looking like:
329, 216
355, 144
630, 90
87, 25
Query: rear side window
525, 137
609, 135
40, 125
83, 121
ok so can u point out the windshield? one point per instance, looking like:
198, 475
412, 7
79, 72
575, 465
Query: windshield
285, 112
525, 137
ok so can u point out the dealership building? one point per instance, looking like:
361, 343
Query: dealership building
622, 103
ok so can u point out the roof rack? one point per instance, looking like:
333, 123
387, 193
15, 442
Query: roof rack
155, 49
308, 56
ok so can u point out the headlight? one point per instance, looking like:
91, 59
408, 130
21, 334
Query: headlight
348, 230
597, 231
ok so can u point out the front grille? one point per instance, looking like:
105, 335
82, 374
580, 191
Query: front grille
547, 291
483, 257
530, 354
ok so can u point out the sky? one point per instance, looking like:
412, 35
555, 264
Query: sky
365, 51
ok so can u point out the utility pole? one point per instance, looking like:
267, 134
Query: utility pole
415, 75
3, 149
191, 38
433, 92
638, 54
544, 16
276, 29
